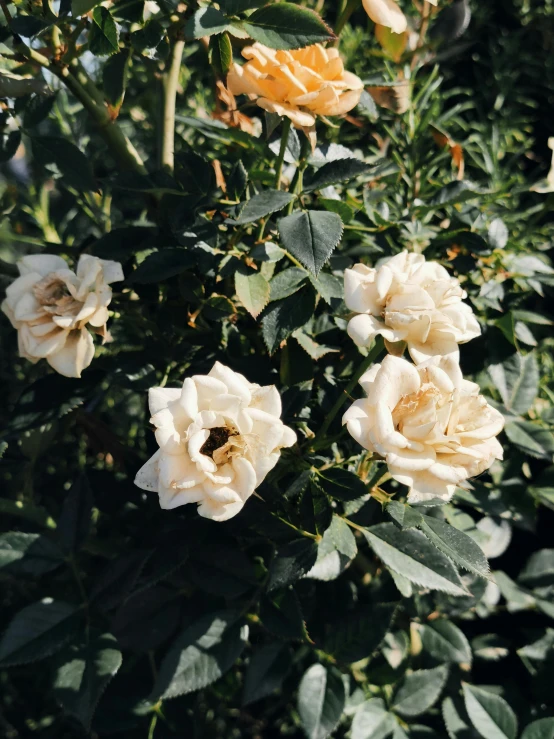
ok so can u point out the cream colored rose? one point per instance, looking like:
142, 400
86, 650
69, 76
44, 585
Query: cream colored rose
50, 306
408, 299
298, 84
386, 13
431, 426
219, 435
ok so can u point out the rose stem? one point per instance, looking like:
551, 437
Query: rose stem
284, 141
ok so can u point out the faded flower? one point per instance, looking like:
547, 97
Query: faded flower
431, 426
219, 435
51, 306
299, 84
409, 299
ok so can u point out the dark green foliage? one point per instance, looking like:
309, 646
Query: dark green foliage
329, 606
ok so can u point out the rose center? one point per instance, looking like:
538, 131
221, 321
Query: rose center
218, 437
50, 290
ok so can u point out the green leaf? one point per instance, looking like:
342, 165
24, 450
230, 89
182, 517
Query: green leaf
73, 165
115, 73
359, 632
341, 484
311, 236
103, 36
261, 205
287, 282
9, 144
539, 570
337, 206
37, 109
507, 325
29, 554
84, 673
420, 690
116, 582
517, 381
328, 286
372, 720
410, 554
445, 641
162, 265
459, 547
287, 26
315, 510
220, 54
335, 551
82, 7
338, 170
321, 700
282, 317
200, 655
205, 22
541, 729
28, 25
490, 714
292, 561
281, 615
253, 291
456, 719
311, 347
453, 193
534, 440
75, 519
404, 515
498, 234
38, 631
266, 671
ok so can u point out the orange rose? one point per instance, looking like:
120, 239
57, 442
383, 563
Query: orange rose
299, 84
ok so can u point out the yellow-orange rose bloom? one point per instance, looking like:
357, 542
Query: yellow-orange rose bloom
299, 84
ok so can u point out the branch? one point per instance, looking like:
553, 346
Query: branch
170, 81
92, 100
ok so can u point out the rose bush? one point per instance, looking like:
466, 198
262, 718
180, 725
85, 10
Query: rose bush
286, 214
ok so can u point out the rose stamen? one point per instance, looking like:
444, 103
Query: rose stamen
218, 437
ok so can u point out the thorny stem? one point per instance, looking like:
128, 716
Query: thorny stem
120, 146
170, 82
281, 158
368, 361
298, 179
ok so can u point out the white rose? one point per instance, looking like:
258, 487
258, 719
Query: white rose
431, 426
50, 306
219, 436
386, 13
408, 299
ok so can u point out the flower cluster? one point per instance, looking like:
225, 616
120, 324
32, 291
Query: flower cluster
431, 426
219, 435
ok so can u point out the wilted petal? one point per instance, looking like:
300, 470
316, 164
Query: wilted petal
75, 356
